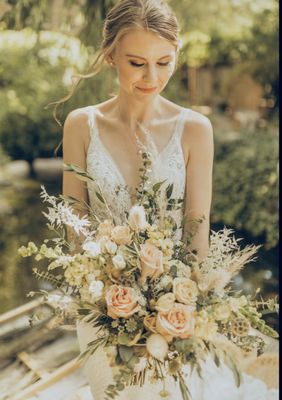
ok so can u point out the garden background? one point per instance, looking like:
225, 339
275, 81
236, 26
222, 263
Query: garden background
228, 70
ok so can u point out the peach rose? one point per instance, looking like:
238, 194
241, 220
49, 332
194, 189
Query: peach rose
121, 235
185, 290
151, 262
178, 322
105, 228
121, 301
137, 218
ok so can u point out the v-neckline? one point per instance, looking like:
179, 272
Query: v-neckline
110, 157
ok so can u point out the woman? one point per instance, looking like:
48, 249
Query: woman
141, 43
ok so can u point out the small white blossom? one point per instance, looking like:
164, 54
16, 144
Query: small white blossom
93, 249
119, 261
96, 288
58, 300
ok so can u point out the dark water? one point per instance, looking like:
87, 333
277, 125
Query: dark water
21, 221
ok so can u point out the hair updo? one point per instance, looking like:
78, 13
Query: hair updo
152, 15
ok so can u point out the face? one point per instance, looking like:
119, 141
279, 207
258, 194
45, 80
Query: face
144, 62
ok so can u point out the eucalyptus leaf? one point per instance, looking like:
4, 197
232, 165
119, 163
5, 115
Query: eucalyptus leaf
124, 339
126, 353
156, 187
169, 191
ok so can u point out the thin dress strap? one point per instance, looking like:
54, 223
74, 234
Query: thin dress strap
180, 123
92, 122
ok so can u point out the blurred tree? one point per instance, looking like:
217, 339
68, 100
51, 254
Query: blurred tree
230, 32
245, 194
34, 69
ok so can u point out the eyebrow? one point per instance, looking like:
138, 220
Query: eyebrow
142, 58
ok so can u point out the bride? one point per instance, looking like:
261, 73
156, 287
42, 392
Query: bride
140, 40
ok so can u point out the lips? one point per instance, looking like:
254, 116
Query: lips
147, 90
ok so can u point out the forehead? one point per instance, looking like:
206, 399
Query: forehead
144, 44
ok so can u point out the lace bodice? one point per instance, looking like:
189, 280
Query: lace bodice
168, 165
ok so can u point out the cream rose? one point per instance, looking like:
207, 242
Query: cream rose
137, 218
165, 302
105, 228
185, 290
178, 322
121, 235
157, 346
121, 301
151, 262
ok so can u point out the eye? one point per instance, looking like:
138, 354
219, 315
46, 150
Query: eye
135, 64
164, 64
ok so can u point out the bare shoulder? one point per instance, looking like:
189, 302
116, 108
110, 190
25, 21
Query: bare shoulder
197, 126
77, 118
76, 128
197, 136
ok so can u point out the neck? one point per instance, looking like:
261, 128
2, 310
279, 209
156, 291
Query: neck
133, 111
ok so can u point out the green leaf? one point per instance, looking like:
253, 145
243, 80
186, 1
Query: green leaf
126, 353
156, 187
124, 339
169, 191
100, 197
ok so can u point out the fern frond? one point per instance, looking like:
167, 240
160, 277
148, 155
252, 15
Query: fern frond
46, 276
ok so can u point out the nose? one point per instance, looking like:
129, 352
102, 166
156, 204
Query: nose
150, 74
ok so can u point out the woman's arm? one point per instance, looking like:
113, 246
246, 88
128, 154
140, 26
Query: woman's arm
75, 144
198, 144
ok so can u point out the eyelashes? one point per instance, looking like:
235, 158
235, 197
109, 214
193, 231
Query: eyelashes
134, 64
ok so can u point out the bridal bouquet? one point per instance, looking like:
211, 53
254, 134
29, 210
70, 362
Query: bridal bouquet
157, 310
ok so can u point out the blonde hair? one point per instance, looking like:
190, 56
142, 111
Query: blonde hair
152, 15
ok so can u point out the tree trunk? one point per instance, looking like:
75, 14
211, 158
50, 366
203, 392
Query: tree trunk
32, 173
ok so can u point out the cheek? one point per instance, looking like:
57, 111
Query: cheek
129, 75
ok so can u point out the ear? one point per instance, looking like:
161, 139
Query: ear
110, 60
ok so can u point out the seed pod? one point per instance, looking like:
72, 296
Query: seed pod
240, 326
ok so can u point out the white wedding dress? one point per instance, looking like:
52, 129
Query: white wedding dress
217, 383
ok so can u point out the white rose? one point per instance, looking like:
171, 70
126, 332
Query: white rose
96, 288
165, 302
93, 249
137, 218
119, 261
157, 346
